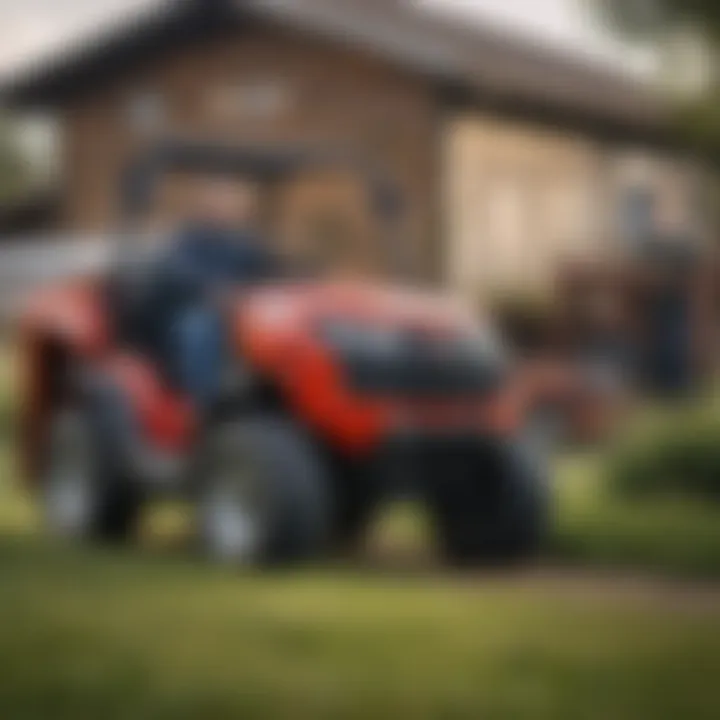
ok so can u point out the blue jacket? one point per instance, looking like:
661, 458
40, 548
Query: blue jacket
200, 261
203, 259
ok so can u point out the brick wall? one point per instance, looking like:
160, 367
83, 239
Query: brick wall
262, 87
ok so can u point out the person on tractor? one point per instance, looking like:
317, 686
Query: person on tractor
217, 249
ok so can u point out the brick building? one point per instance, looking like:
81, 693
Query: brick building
509, 156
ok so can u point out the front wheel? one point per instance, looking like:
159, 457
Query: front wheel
494, 510
262, 498
84, 496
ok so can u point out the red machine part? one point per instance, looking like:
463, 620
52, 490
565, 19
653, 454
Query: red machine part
68, 320
275, 330
278, 331
167, 419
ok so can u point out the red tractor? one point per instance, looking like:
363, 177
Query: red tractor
337, 394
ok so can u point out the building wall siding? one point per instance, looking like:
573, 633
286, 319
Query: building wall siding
492, 204
265, 87
519, 199
522, 199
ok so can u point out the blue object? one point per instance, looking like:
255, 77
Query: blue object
199, 340
180, 326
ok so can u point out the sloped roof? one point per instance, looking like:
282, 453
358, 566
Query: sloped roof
466, 57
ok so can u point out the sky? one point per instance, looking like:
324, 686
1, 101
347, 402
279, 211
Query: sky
569, 25
32, 27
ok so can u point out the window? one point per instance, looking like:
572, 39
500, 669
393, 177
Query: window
637, 214
146, 112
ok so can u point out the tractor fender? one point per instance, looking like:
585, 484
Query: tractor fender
61, 327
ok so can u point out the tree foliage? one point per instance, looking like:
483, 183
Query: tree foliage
647, 17
659, 21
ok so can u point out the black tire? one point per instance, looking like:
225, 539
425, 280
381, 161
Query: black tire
263, 475
356, 496
492, 512
80, 470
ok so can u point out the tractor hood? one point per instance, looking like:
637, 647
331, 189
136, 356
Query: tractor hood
398, 338
349, 357
293, 306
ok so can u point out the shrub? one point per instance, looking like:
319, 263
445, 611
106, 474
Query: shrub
677, 455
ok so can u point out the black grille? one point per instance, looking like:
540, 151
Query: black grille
422, 367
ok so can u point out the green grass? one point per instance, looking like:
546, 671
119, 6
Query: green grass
91, 633
150, 632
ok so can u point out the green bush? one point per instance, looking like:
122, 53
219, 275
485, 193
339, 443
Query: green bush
676, 455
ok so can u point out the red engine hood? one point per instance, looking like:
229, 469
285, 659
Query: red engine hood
275, 330
294, 305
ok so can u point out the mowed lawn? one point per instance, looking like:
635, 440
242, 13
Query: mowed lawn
151, 632
154, 634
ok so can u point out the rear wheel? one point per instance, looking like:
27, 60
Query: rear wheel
84, 496
263, 494
495, 511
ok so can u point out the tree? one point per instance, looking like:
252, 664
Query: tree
687, 35
650, 17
